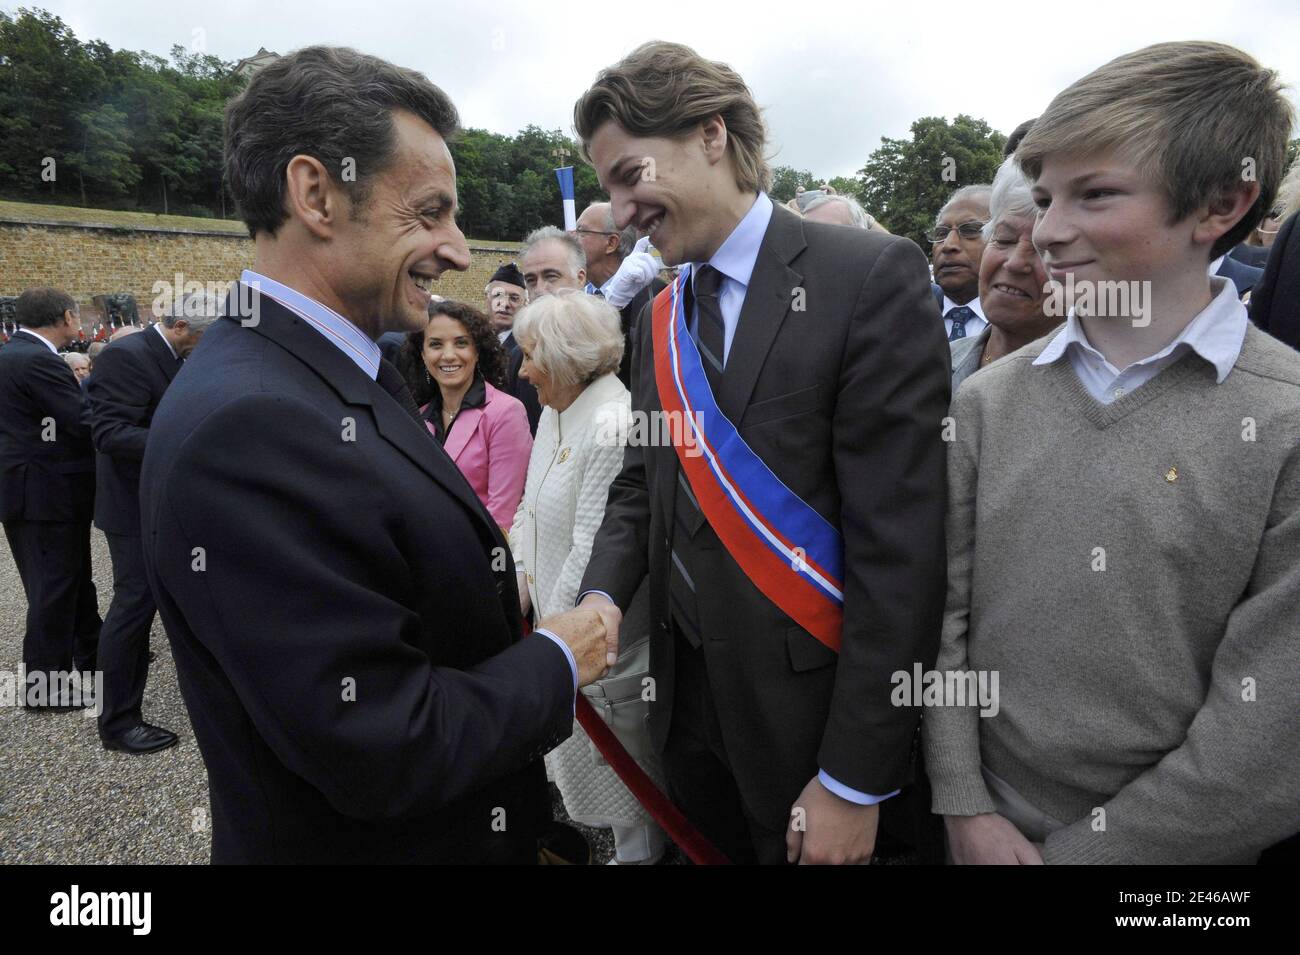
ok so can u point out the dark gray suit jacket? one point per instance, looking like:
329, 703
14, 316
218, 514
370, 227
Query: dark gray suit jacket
843, 400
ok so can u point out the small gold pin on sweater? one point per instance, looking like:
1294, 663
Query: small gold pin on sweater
564, 455
1171, 475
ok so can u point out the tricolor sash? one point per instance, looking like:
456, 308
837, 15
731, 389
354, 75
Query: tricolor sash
789, 551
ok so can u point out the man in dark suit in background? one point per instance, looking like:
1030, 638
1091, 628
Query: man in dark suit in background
129, 381
956, 247
1243, 276
549, 260
626, 283
506, 293
341, 607
47, 490
1275, 300
823, 349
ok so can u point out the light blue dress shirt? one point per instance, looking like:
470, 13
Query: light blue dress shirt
359, 347
335, 329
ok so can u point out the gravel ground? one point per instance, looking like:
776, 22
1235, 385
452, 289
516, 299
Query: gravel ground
65, 799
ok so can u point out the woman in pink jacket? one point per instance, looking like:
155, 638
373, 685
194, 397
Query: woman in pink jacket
455, 368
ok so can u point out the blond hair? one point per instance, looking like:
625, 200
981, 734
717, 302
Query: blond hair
1202, 117
571, 336
667, 89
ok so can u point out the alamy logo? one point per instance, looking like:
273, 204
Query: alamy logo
103, 908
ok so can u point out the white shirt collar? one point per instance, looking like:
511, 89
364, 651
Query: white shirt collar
973, 305
159, 328
1216, 334
738, 254
40, 338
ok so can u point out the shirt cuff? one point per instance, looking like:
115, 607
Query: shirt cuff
568, 655
852, 795
601, 592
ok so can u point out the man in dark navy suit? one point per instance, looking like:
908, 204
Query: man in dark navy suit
129, 381
1275, 301
341, 607
47, 491
821, 349
1244, 277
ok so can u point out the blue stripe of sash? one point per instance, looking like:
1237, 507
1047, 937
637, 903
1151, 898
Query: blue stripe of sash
732, 461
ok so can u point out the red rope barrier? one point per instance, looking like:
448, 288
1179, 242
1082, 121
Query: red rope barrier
696, 846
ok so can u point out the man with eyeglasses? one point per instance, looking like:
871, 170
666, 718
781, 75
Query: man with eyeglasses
957, 245
505, 294
618, 273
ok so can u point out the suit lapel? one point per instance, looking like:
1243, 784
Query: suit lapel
767, 301
353, 386
467, 422
161, 353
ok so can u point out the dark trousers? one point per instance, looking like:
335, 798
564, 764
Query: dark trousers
63, 623
699, 777
124, 641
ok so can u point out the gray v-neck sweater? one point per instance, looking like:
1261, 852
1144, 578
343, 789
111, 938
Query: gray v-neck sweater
1132, 573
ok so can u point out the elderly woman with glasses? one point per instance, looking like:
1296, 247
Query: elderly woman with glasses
1012, 279
571, 344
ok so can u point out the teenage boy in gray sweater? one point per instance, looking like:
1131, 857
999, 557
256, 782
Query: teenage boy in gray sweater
1124, 516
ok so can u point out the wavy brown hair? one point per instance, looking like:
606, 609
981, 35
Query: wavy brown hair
667, 89
491, 364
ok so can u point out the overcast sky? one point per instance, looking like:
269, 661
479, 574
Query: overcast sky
833, 77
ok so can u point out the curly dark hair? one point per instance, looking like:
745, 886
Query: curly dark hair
491, 355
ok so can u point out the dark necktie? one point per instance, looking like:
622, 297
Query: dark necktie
390, 379
710, 332
959, 316
709, 338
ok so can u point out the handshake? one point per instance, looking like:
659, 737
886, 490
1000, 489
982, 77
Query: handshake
591, 633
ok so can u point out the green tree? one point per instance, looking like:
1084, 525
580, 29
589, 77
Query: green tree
906, 181
786, 180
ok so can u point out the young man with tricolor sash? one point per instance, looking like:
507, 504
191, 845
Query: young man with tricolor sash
798, 562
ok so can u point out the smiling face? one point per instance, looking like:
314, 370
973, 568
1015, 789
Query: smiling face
449, 353
1102, 220
398, 241
957, 260
547, 266
1012, 279
668, 187
535, 376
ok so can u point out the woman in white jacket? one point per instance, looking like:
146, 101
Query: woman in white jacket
572, 343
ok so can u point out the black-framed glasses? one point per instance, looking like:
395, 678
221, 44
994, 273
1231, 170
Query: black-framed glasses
592, 232
967, 230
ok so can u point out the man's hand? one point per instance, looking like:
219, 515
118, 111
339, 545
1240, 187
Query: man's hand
828, 830
583, 631
612, 616
988, 839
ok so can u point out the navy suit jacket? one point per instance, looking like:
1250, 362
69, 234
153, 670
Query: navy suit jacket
1275, 302
129, 380
343, 615
40, 479
1244, 276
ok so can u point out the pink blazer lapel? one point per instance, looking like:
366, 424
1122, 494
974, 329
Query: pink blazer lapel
467, 422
